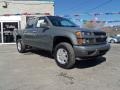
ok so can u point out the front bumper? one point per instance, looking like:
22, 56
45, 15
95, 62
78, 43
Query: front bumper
91, 50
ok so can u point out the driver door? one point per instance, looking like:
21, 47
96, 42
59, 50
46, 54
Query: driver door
43, 36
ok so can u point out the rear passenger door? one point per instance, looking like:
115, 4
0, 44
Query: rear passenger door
29, 33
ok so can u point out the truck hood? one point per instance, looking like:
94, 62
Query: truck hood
75, 29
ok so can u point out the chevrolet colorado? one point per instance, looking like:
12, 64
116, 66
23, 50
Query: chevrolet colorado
64, 39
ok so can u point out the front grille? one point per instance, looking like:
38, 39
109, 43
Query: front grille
99, 33
100, 37
100, 40
95, 38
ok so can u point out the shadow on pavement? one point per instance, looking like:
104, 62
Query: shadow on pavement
81, 64
42, 53
89, 63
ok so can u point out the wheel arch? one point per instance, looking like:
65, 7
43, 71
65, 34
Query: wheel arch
59, 39
18, 37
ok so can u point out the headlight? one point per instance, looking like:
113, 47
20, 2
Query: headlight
86, 41
79, 38
82, 40
86, 33
82, 34
78, 34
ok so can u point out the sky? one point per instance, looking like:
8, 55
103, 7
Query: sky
72, 7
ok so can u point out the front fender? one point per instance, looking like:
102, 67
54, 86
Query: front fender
66, 34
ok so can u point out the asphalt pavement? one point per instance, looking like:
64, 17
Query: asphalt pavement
37, 70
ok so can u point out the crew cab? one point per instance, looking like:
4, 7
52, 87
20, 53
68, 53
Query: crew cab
65, 40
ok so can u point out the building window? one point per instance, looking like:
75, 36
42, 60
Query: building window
0, 33
8, 31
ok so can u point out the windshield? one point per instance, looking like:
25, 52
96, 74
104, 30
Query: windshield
61, 22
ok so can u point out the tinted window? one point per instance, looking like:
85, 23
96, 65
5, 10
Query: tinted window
61, 22
30, 21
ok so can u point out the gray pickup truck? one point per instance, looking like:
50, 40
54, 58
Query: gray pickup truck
64, 39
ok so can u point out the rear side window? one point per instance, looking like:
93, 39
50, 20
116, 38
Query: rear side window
30, 21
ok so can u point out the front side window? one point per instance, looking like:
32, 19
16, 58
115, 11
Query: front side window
61, 22
41, 21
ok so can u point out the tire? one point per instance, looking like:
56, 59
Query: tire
112, 41
20, 46
64, 55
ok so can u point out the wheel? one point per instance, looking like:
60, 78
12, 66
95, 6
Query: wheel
112, 41
20, 46
64, 55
